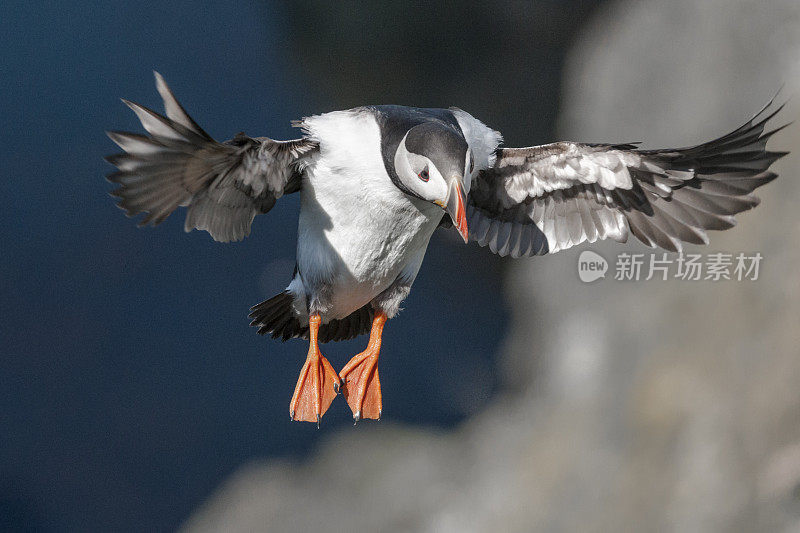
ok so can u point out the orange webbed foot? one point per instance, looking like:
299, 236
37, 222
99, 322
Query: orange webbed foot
317, 385
362, 385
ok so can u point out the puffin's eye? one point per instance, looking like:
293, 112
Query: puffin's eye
471, 163
424, 176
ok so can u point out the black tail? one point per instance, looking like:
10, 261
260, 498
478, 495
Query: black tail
277, 317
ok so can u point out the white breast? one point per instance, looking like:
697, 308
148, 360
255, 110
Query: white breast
357, 230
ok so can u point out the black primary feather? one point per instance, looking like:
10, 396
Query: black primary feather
675, 195
223, 185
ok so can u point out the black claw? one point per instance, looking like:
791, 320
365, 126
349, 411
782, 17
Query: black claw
356, 417
291, 416
317, 421
336, 387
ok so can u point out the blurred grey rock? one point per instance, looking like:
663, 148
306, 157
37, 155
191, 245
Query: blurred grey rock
666, 406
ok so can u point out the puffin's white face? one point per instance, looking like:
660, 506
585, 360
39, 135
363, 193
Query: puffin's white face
420, 175
415, 162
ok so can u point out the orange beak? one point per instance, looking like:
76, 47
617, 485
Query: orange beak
456, 206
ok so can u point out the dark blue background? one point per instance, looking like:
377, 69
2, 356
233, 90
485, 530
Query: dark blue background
130, 383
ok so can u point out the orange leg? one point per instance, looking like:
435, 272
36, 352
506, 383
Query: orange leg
318, 383
362, 387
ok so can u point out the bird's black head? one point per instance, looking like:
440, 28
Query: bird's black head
431, 161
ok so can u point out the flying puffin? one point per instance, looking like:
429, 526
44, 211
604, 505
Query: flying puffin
375, 182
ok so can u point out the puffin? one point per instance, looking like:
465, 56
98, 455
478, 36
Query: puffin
375, 182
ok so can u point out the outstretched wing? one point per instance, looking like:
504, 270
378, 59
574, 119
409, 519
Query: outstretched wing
548, 198
223, 185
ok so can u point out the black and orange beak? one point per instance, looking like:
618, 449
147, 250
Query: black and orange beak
456, 207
